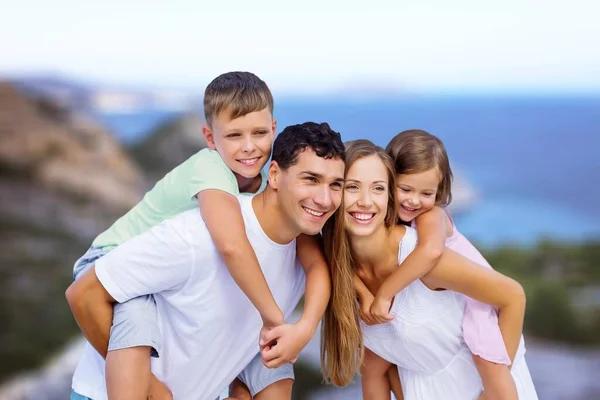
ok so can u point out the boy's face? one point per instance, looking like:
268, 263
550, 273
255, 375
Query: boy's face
244, 143
309, 191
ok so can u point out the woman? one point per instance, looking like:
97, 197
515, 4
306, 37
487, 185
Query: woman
425, 337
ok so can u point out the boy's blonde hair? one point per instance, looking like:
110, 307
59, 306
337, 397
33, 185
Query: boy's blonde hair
237, 93
415, 151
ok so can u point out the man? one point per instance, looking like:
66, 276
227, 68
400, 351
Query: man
209, 327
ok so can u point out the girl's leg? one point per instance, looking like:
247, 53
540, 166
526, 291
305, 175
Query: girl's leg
395, 383
498, 383
374, 377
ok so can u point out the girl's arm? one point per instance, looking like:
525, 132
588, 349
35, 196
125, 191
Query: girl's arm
457, 273
431, 229
365, 299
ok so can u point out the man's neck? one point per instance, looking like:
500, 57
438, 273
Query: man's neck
272, 221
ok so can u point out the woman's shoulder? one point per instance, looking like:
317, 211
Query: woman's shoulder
405, 240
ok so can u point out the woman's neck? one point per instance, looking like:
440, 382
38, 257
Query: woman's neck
373, 251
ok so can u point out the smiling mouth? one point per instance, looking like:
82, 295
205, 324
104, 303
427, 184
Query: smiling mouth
250, 161
313, 213
408, 209
362, 217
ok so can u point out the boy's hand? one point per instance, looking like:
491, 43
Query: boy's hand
380, 310
158, 390
268, 325
283, 344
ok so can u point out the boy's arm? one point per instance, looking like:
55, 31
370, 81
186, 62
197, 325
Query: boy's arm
291, 339
223, 217
318, 280
431, 229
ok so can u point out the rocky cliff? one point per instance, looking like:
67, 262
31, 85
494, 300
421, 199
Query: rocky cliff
63, 179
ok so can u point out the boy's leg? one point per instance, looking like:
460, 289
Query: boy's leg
134, 338
239, 391
281, 389
265, 383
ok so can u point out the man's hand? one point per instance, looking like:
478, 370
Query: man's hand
282, 344
380, 310
158, 390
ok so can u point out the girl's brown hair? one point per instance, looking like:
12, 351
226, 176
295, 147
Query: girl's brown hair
342, 346
415, 151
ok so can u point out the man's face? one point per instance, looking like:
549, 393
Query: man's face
309, 191
244, 143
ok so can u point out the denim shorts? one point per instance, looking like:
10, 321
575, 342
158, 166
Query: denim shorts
135, 322
257, 377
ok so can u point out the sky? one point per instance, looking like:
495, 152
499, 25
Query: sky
311, 45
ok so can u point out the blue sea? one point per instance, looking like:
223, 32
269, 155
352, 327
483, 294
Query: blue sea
533, 161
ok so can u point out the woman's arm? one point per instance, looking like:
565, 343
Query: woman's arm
457, 273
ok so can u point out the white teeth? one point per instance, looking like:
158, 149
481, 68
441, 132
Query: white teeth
363, 217
249, 162
409, 209
313, 212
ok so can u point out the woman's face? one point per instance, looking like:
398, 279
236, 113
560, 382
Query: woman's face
366, 192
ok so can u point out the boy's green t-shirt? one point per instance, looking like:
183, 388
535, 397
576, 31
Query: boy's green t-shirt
172, 195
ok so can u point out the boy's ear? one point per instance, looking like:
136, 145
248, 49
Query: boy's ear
274, 127
274, 175
208, 136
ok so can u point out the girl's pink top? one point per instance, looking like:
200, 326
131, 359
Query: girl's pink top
481, 331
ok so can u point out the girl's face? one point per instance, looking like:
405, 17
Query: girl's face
415, 193
366, 193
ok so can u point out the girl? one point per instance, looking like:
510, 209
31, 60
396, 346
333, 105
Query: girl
423, 189
425, 338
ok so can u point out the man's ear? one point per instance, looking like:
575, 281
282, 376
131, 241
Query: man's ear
274, 174
209, 137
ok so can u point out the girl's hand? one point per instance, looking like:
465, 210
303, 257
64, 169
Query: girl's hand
380, 310
365, 303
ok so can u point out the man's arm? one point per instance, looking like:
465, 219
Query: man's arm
92, 307
223, 217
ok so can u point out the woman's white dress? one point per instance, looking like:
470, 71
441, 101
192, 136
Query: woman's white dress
425, 340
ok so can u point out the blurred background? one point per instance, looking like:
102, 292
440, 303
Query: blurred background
99, 99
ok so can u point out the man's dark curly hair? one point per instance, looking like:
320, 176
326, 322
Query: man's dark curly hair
294, 139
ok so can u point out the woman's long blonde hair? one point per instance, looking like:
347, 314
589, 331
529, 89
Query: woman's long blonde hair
342, 346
